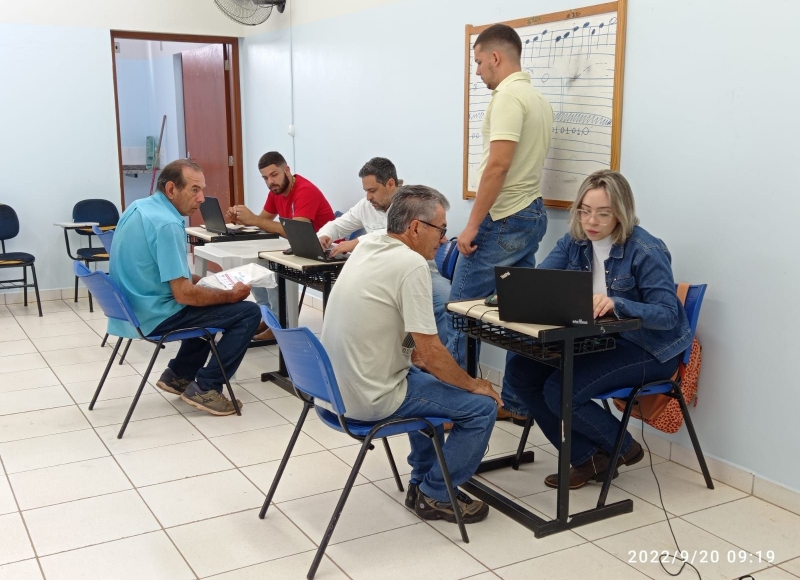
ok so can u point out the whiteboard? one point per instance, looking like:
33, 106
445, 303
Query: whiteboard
575, 61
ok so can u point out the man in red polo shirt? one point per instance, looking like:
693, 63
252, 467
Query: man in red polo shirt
290, 196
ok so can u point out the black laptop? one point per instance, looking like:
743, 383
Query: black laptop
557, 297
305, 243
214, 220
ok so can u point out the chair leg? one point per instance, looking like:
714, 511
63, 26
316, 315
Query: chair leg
612, 466
25, 286
105, 373
365, 446
302, 296
141, 386
36, 288
437, 445
695, 441
286, 454
224, 376
125, 352
522, 441
392, 464
76, 289
606, 405
105, 338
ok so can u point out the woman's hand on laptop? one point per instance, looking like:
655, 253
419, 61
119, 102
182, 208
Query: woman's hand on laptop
602, 304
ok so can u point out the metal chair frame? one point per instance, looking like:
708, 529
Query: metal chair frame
18, 263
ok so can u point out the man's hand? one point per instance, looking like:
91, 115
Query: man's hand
325, 241
239, 214
239, 292
601, 304
465, 239
484, 387
344, 247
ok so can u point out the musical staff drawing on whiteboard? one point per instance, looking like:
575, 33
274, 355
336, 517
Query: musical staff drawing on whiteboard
571, 63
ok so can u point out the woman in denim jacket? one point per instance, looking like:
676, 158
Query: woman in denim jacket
632, 278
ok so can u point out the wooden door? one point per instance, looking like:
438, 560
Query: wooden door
206, 120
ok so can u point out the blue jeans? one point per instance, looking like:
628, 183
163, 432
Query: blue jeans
240, 322
441, 294
511, 241
473, 420
539, 387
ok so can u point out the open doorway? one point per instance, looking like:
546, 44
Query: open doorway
177, 96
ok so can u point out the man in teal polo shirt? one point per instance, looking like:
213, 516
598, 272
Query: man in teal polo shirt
149, 263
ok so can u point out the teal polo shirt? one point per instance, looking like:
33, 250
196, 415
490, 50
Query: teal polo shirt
149, 250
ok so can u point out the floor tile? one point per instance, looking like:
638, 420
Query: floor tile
792, 566
63, 483
639, 547
252, 368
149, 433
683, 490
254, 416
503, 443
368, 511
83, 354
572, 563
289, 567
7, 503
16, 347
113, 388
172, 462
327, 437
62, 317
4, 312
77, 524
39, 423
390, 556
51, 450
586, 498
21, 362
98, 326
263, 390
773, 573
91, 371
149, 556
48, 307
753, 524
206, 496
290, 408
84, 338
776, 494
35, 400
262, 445
376, 464
15, 545
528, 480
62, 330
239, 540
114, 411
305, 475
24, 380
26, 570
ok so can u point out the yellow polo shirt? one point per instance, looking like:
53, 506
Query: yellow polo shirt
518, 112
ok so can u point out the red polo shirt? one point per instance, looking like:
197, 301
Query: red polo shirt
305, 200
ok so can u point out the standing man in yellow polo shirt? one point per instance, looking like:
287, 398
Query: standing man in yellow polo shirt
508, 220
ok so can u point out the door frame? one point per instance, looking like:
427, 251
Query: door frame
233, 100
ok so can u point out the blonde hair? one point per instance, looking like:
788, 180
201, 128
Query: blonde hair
622, 204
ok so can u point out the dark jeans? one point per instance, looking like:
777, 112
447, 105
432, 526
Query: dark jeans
538, 386
239, 321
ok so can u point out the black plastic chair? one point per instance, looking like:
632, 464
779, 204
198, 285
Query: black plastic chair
116, 306
312, 375
106, 215
9, 228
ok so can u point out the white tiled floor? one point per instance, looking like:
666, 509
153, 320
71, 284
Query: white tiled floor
178, 497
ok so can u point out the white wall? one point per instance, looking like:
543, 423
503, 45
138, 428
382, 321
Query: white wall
710, 173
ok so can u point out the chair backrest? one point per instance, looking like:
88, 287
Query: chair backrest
106, 237
101, 211
694, 300
106, 293
446, 257
9, 224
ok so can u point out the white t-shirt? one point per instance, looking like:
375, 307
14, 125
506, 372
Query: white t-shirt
381, 295
600, 251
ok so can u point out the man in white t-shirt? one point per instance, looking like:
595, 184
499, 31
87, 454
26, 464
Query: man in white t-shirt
379, 180
379, 319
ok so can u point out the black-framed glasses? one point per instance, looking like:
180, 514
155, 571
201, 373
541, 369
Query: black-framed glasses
442, 231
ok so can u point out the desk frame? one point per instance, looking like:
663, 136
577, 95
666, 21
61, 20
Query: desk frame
556, 347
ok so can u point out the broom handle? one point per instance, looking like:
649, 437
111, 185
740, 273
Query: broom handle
158, 153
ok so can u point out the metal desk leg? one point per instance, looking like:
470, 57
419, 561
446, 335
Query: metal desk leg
281, 378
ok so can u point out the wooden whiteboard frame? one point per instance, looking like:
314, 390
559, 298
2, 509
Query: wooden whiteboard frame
621, 8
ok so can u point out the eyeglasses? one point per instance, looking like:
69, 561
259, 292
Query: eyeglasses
442, 231
603, 217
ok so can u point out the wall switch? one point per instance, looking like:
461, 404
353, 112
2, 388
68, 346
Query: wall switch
291, 130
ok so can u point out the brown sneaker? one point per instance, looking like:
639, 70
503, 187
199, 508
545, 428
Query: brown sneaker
505, 415
472, 510
172, 383
210, 401
594, 469
634, 455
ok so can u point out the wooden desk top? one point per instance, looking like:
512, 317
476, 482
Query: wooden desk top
296, 262
478, 310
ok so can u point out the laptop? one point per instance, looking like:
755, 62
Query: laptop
305, 243
214, 220
557, 297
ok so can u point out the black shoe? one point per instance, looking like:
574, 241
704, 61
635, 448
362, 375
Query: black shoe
634, 455
472, 510
411, 495
594, 469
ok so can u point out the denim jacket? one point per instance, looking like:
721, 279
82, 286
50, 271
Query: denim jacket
639, 280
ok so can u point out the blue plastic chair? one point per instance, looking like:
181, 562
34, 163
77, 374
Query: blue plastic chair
116, 306
9, 228
353, 235
106, 238
446, 258
312, 375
